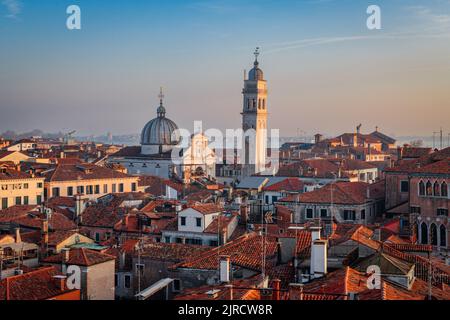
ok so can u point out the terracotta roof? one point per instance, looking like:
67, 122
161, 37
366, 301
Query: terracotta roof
30, 217
415, 152
322, 168
407, 166
245, 251
173, 252
34, 285
241, 291
100, 216
83, 171
343, 193
340, 282
354, 164
287, 185
207, 208
11, 174
81, 257
62, 202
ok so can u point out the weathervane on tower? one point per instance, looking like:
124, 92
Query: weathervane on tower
256, 53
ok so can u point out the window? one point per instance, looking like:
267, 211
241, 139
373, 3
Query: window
213, 243
39, 185
363, 214
38, 199
69, 191
183, 221
97, 189
80, 189
25, 185
127, 281
433, 234
176, 285
167, 240
415, 209
443, 232
349, 215
421, 188
18, 201
194, 241
323, 213
89, 190
404, 186
444, 190
140, 268
114, 187
120, 187
267, 199
97, 236
116, 280
274, 199
198, 222
133, 186
105, 188
424, 233
436, 189
309, 213
55, 192
26, 200
429, 189
442, 212
4, 203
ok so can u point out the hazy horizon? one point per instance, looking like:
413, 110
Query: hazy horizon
326, 72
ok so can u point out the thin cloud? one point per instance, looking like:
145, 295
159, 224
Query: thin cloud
13, 7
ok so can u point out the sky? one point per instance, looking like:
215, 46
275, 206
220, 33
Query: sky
326, 71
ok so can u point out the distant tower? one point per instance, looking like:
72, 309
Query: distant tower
254, 116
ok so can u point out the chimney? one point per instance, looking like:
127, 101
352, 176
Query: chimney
315, 233
18, 237
243, 213
224, 269
230, 291
295, 291
60, 282
61, 155
318, 265
78, 207
65, 255
355, 140
399, 153
276, 286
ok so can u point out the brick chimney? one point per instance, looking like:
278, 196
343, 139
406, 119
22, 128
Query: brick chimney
276, 286
243, 213
60, 282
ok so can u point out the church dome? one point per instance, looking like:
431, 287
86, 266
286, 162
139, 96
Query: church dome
159, 130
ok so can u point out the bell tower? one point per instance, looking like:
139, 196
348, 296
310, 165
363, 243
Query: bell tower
254, 118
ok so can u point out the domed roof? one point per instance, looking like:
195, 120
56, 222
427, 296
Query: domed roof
256, 73
159, 130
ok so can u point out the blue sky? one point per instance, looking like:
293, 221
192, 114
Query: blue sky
326, 71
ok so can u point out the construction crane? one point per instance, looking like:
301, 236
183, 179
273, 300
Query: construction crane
68, 137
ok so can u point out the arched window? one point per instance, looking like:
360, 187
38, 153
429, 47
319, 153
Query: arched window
433, 234
429, 188
436, 189
443, 234
421, 188
424, 233
259, 104
444, 190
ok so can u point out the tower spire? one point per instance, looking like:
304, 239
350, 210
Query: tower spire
161, 111
161, 96
256, 53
